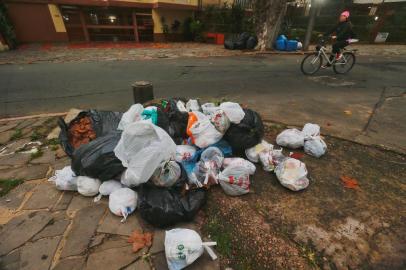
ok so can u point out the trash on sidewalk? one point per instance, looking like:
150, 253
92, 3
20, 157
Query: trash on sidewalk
122, 202
88, 186
309, 138
292, 174
184, 246
108, 187
140, 240
65, 179
164, 207
167, 174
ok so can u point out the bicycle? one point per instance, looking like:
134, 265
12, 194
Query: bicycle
313, 62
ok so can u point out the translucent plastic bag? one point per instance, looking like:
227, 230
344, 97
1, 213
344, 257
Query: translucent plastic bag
65, 179
192, 105
203, 132
108, 187
122, 202
291, 138
209, 108
167, 174
253, 152
240, 162
235, 180
142, 148
183, 247
233, 111
181, 106
132, 115
88, 186
311, 130
206, 170
315, 146
220, 121
184, 152
292, 174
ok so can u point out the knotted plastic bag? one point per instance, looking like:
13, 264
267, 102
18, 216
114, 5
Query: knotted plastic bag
233, 111
183, 247
235, 180
291, 138
88, 186
65, 179
132, 115
315, 146
167, 174
292, 174
202, 132
123, 202
207, 168
108, 187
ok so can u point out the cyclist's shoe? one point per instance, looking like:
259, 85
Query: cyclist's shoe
326, 65
339, 56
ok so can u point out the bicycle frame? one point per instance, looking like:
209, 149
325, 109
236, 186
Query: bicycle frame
322, 52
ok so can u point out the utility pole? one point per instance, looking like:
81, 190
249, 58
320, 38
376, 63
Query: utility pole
310, 25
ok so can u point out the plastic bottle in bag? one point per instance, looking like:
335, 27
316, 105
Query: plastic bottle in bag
122, 202
183, 247
167, 174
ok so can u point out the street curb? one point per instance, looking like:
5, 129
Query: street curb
32, 116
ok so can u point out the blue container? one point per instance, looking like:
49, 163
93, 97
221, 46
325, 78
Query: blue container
291, 45
281, 44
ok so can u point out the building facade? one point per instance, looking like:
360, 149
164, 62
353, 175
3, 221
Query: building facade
97, 20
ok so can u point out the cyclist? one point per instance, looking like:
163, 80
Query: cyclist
343, 32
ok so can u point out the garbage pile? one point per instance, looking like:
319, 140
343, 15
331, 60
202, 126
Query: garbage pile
162, 159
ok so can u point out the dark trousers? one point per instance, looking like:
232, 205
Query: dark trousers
339, 45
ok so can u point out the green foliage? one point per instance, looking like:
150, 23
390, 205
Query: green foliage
196, 28
8, 184
18, 133
219, 234
6, 28
187, 33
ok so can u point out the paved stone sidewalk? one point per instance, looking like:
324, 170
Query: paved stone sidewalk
44, 228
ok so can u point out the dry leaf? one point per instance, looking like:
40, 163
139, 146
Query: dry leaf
296, 155
140, 240
349, 182
347, 112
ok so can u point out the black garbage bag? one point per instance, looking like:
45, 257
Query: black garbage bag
252, 42
229, 44
164, 207
103, 122
97, 159
248, 133
174, 122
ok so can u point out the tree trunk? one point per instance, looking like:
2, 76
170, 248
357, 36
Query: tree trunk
268, 16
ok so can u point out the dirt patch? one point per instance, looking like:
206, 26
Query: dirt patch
325, 226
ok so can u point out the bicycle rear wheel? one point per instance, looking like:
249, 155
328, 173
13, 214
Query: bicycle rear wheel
311, 64
345, 64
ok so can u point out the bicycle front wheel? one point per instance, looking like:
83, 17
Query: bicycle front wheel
345, 64
311, 64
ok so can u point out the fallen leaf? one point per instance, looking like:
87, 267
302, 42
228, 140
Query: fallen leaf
328, 124
140, 240
349, 182
296, 155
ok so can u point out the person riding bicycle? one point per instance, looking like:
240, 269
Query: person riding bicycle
343, 32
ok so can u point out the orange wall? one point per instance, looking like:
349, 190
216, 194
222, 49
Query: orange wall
33, 23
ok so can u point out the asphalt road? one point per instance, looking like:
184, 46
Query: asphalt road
367, 105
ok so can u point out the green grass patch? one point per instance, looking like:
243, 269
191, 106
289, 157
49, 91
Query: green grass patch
18, 133
52, 142
221, 235
35, 136
37, 154
53, 147
8, 184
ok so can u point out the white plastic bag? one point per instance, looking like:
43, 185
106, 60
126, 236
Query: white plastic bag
311, 130
235, 180
253, 152
167, 174
233, 111
123, 202
291, 138
183, 247
181, 106
132, 115
204, 132
88, 186
240, 162
184, 152
141, 149
192, 105
315, 146
292, 174
220, 120
65, 179
209, 108
206, 170
107, 187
